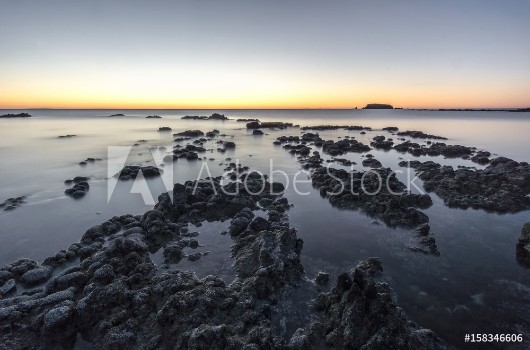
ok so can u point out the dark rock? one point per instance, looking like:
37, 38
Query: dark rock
420, 135
229, 145
350, 317
194, 256
344, 146
79, 190
7, 287
190, 133
378, 193
18, 115
379, 142
13, 203
58, 318
322, 278
214, 116
173, 253
35, 276
269, 125
372, 163
503, 186
336, 127
130, 172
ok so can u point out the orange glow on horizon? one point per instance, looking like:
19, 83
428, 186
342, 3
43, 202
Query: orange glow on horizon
310, 103
163, 91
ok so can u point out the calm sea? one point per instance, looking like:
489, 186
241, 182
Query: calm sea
474, 286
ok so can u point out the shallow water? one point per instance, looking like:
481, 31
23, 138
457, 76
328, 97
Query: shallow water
474, 286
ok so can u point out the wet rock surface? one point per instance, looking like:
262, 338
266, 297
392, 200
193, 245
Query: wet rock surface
372, 163
363, 190
114, 296
190, 133
377, 192
380, 142
268, 125
437, 149
130, 172
503, 186
351, 315
419, 135
80, 188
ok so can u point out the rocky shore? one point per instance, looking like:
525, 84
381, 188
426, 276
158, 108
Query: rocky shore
107, 291
376, 192
503, 186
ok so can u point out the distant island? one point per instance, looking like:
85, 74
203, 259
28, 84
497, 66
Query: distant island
19, 115
378, 106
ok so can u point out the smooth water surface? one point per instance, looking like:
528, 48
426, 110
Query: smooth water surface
474, 286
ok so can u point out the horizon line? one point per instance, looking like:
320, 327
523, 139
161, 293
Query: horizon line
299, 108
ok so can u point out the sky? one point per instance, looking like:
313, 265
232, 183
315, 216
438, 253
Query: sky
264, 54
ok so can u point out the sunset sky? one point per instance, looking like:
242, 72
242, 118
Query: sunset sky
264, 54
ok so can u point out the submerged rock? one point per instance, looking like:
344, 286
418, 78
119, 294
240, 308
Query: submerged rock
377, 193
13, 203
359, 313
523, 246
322, 278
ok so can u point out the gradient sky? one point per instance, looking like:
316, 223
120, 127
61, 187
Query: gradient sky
264, 54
